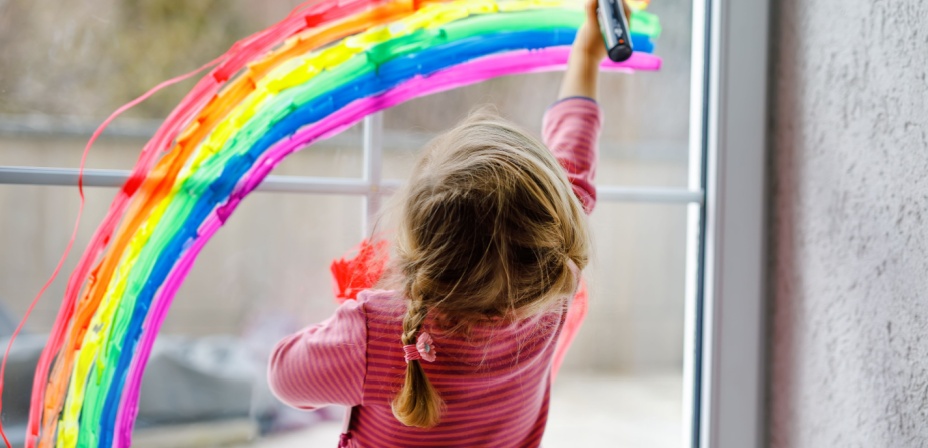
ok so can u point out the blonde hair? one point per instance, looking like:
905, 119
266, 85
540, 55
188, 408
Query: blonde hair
488, 228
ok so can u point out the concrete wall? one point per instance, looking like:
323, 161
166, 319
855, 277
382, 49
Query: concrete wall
849, 160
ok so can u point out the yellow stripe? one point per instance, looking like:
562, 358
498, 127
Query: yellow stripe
97, 334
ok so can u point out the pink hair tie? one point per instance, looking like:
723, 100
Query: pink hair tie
422, 350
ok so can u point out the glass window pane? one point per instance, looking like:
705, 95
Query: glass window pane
263, 275
98, 54
340, 156
272, 255
646, 127
270, 259
34, 230
64, 151
337, 157
636, 276
82, 60
625, 366
266, 271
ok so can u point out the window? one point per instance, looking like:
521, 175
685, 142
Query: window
678, 229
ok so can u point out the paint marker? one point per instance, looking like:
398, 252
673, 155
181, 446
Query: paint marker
614, 26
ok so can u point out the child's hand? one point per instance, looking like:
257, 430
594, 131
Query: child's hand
585, 55
589, 40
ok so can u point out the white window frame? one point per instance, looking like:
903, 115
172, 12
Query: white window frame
724, 344
725, 353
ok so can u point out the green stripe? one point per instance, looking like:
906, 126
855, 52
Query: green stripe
643, 22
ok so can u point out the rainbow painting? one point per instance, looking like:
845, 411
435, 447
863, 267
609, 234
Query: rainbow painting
322, 69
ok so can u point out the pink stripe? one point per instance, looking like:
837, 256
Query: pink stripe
128, 406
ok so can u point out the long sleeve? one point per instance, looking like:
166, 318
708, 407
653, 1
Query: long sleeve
322, 364
570, 129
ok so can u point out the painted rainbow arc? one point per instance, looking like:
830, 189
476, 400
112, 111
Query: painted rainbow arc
312, 75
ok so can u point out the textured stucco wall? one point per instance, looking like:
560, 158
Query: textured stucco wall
849, 208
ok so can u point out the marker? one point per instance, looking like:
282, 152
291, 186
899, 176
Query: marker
614, 26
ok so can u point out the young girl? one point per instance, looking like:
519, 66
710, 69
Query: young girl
491, 240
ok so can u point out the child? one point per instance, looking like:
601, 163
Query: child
491, 240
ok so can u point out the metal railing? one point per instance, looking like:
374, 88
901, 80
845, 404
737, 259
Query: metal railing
371, 185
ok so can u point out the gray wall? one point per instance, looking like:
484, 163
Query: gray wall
849, 246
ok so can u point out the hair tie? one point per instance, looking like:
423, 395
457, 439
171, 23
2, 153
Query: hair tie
424, 349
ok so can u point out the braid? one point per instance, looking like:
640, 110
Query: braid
418, 403
415, 314
487, 226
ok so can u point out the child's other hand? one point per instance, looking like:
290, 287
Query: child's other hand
589, 40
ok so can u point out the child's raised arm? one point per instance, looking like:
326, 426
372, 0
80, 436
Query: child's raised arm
585, 56
571, 126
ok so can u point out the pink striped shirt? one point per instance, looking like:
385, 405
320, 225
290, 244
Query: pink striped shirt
495, 381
